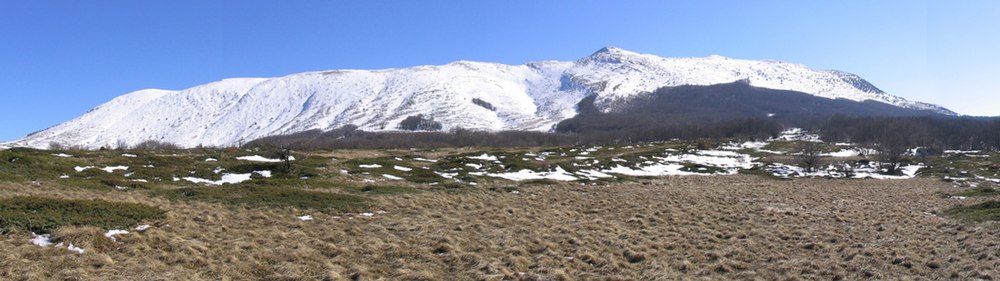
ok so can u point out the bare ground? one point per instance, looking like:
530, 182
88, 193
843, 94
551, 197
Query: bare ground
734, 227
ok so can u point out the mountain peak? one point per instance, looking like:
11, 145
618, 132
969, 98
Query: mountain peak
463, 94
609, 54
609, 49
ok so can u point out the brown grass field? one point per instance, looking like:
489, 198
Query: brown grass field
672, 228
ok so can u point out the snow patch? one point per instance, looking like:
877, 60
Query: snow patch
226, 178
258, 158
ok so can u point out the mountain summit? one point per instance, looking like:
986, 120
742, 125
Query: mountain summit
463, 94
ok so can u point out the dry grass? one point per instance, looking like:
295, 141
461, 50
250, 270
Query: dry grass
738, 227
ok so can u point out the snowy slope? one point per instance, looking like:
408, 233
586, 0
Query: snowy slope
534, 96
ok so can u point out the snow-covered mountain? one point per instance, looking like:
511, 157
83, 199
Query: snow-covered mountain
463, 94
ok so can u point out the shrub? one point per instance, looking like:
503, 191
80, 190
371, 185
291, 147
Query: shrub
44, 215
986, 211
419, 123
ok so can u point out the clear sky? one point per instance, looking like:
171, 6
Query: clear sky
58, 59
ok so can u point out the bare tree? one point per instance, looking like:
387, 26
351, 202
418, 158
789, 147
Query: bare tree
890, 156
809, 156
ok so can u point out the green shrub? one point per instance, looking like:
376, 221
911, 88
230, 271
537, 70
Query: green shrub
43, 215
987, 211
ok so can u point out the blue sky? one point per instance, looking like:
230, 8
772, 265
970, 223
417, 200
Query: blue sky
58, 59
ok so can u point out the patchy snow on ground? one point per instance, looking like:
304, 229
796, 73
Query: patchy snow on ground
306, 218
755, 145
593, 175
425, 160
843, 153
226, 178
401, 168
716, 158
871, 171
258, 158
129, 155
909, 172
81, 169
391, 177
111, 233
484, 157
370, 166
266, 174
112, 169
63, 155
211, 160
43, 240
366, 214
74, 248
797, 134
962, 151
650, 170
559, 174
142, 227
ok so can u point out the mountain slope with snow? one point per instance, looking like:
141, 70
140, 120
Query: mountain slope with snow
463, 94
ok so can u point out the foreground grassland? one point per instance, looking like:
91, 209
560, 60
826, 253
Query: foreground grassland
425, 227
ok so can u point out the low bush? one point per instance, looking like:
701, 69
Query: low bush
44, 215
986, 211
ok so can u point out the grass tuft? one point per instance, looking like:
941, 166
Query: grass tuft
270, 197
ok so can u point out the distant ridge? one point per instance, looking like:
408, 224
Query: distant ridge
473, 95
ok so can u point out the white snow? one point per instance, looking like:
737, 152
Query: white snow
843, 153
860, 172
559, 174
75, 249
266, 174
425, 160
111, 233
484, 157
211, 160
81, 169
962, 151
129, 155
63, 155
798, 134
258, 158
226, 178
370, 166
43, 240
142, 227
366, 214
111, 169
401, 168
391, 177
306, 218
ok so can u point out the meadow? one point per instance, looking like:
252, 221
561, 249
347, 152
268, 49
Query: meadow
542, 213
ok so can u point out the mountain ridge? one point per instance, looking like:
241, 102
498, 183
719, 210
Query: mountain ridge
534, 96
